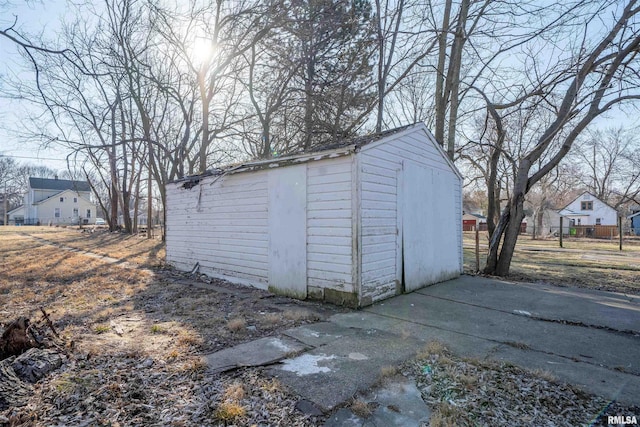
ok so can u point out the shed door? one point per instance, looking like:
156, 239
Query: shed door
288, 230
417, 225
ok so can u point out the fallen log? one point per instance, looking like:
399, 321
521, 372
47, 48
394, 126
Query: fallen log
13, 391
36, 363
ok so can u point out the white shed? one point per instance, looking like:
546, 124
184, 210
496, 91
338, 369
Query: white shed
351, 223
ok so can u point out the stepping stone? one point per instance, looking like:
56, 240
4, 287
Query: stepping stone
263, 351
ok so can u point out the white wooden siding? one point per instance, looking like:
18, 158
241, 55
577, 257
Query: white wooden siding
222, 223
329, 224
379, 171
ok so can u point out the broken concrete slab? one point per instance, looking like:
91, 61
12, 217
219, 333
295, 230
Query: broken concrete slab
344, 418
263, 351
399, 403
332, 373
319, 333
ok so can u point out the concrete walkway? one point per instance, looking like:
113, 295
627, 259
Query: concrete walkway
588, 338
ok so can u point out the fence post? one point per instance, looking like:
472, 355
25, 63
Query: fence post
620, 230
561, 231
477, 249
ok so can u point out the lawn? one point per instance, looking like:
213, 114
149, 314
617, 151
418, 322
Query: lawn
586, 263
135, 333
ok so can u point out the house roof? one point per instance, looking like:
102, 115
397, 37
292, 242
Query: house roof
565, 212
53, 196
15, 209
317, 152
58, 184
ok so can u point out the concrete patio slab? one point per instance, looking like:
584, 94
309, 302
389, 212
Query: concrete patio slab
263, 351
590, 307
332, 373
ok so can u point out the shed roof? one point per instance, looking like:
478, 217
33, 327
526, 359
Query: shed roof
58, 184
317, 152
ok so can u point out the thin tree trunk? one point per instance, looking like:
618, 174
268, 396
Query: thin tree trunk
113, 216
440, 95
453, 76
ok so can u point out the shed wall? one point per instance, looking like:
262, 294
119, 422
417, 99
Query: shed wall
222, 224
381, 186
329, 226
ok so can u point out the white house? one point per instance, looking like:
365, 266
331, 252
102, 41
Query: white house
56, 201
352, 223
587, 209
546, 223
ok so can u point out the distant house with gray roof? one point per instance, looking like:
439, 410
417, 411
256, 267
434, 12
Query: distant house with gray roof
55, 201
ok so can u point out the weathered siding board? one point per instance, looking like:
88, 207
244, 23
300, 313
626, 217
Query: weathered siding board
221, 223
380, 166
329, 213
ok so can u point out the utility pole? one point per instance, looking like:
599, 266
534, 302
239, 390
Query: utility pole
5, 217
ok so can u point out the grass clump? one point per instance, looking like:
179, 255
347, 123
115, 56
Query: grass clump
157, 329
361, 408
101, 329
231, 409
237, 324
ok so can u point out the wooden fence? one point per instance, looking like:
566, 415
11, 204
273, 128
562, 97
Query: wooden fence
600, 231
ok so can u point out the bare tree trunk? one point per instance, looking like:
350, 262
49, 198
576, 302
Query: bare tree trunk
510, 238
453, 76
308, 103
113, 217
440, 95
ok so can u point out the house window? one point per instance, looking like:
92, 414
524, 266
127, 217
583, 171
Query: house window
88, 213
61, 199
586, 206
572, 222
598, 221
579, 221
56, 213
75, 212
75, 200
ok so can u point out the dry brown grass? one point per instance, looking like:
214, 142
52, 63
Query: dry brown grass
237, 324
388, 371
360, 408
300, 315
432, 348
587, 263
230, 411
231, 408
447, 415
271, 319
130, 324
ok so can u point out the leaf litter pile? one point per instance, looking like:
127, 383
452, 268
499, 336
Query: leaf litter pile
132, 339
470, 392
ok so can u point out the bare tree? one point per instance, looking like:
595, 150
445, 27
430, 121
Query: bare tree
610, 158
601, 75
